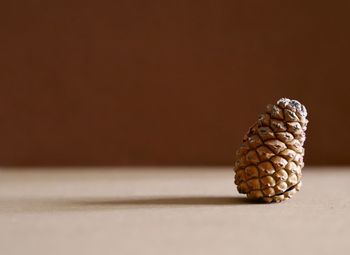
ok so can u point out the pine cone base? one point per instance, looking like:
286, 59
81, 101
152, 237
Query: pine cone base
269, 161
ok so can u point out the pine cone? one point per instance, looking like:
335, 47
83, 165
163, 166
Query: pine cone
270, 159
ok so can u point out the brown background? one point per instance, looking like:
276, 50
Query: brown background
166, 82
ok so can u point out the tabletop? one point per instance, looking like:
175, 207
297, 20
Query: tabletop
167, 210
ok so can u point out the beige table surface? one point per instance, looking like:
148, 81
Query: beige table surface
167, 211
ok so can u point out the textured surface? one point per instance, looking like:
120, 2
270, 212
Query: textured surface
269, 161
168, 211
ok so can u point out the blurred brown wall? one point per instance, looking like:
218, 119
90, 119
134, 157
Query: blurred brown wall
167, 82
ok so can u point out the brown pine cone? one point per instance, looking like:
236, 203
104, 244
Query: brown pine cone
269, 161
